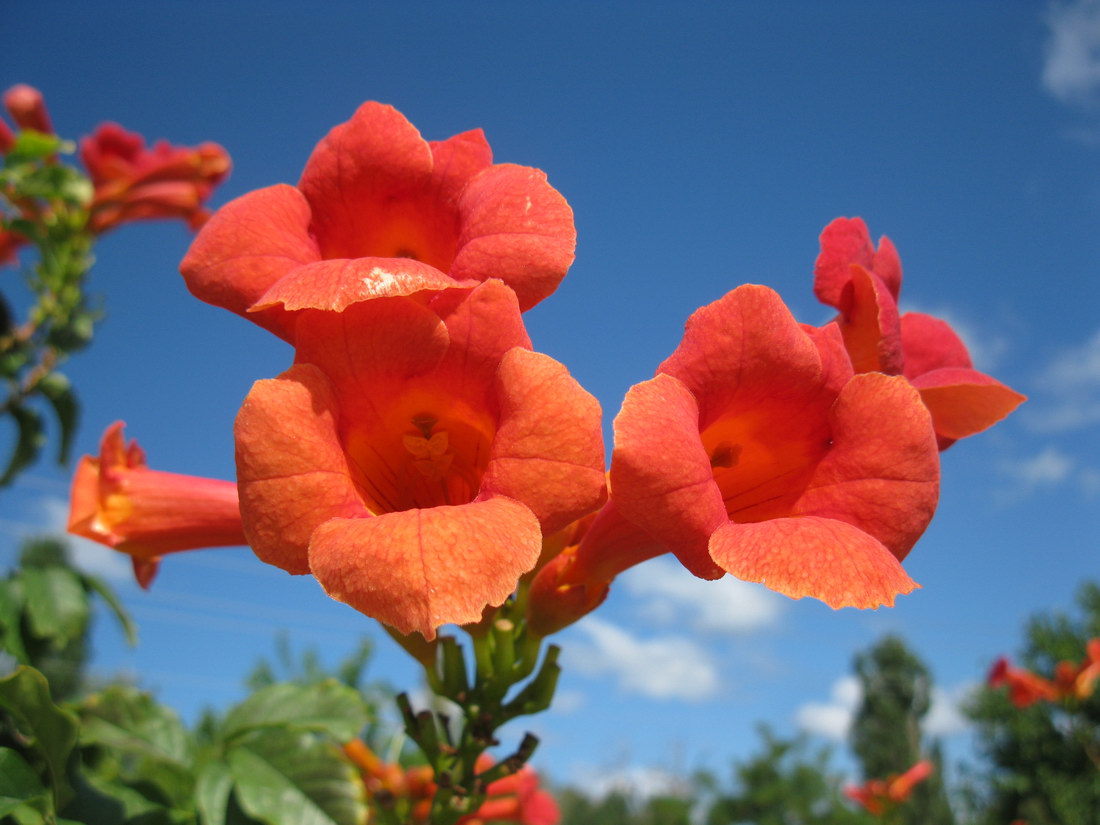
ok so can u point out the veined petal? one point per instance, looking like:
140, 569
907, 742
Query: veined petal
747, 346
483, 324
661, 477
338, 283
457, 159
515, 227
882, 472
835, 362
548, 449
829, 560
418, 569
964, 401
246, 247
292, 471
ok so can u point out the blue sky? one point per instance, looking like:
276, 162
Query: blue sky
701, 146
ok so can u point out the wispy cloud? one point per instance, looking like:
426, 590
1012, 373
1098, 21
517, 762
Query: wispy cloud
671, 595
1071, 390
1071, 70
832, 719
636, 782
665, 667
1048, 467
945, 717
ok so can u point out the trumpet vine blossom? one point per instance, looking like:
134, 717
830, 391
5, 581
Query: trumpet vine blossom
863, 283
878, 796
413, 458
755, 451
381, 212
118, 501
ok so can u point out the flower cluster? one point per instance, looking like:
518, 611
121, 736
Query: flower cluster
515, 798
879, 796
422, 461
1072, 680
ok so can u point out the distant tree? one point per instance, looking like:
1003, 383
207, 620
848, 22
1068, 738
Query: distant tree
786, 784
886, 734
1044, 759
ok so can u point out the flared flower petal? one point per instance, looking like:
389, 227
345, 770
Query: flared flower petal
846, 241
412, 460
380, 212
964, 401
748, 454
118, 501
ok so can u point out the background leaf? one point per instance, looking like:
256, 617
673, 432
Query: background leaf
56, 604
327, 706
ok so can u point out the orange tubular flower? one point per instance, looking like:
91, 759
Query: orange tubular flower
380, 212
515, 798
1024, 687
880, 795
863, 284
755, 451
118, 501
413, 458
1079, 680
134, 183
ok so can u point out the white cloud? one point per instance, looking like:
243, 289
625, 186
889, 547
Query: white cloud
832, 719
1071, 385
1049, 467
636, 782
673, 596
666, 667
945, 717
1071, 71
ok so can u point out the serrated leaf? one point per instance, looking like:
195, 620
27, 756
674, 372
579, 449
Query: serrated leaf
56, 604
11, 616
105, 592
327, 706
52, 731
28, 442
19, 784
212, 792
57, 389
284, 776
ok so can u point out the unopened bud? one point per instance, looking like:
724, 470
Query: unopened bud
27, 108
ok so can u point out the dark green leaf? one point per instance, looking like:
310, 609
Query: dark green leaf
56, 604
11, 616
56, 389
327, 706
19, 784
27, 444
52, 730
108, 595
284, 776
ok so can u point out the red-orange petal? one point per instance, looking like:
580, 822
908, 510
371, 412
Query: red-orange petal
548, 449
964, 401
845, 241
930, 344
483, 324
882, 473
869, 322
418, 569
661, 477
515, 227
338, 283
457, 159
829, 560
246, 247
292, 472
375, 154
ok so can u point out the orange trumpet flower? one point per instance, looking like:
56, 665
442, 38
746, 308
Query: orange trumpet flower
118, 501
880, 795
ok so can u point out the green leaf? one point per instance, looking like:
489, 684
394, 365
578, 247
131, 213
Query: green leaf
327, 706
149, 739
32, 145
52, 731
28, 442
105, 592
286, 776
212, 792
19, 784
124, 718
56, 604
11, 620
56, 389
